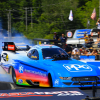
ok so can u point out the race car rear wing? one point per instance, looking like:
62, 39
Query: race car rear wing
47, 41
10, 46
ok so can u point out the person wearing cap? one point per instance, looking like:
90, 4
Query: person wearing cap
85, 39
63, 40
55, 37
90, 41
68, 49
98, 26
75, 53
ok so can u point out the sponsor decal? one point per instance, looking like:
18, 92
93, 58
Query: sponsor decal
99, 67
20, 81
34, 72
88, 59
21, 69
5, 57
11, 47
80, 35
94, 34
46, 45
91, 33
42, 94
56, 81
69, 34
77, 68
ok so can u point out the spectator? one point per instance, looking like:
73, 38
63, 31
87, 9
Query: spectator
75, 54
98, 29
98, 26
87, 52
99, 54
94, 52
91, 49
56, 37
68, 49
99, 51
63, 40
85, 39
89, 42
82, 51
97, 43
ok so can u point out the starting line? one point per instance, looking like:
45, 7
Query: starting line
43, 94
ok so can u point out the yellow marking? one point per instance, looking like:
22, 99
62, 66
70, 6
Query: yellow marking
33, 56
39, 42
7, 58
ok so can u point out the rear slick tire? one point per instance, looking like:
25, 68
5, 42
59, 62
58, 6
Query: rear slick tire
12, 72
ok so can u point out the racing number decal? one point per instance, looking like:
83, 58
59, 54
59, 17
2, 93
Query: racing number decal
5, 57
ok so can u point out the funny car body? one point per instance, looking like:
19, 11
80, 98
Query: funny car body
47, 66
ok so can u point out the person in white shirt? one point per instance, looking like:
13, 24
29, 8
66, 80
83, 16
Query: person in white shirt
98, 29
98, 26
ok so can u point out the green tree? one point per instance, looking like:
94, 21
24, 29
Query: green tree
84, 13
48, 16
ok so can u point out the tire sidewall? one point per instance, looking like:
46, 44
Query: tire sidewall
13, 75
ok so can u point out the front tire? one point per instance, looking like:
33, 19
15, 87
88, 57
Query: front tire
50, 80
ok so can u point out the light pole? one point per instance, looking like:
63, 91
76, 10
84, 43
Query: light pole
9, 23
31, 18
26, 17
99, 8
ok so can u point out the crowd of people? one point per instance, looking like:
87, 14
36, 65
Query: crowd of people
76, 53
86, 49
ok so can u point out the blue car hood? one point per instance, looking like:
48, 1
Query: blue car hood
72, 68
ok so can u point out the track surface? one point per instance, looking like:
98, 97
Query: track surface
6, 78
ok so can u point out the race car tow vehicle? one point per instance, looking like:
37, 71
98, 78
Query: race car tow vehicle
47, 66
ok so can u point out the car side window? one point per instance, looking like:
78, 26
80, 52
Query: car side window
33, 54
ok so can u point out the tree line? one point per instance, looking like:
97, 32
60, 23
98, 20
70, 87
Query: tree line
41, 18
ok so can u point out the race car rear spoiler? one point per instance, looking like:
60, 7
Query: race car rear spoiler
10, 46
47, 41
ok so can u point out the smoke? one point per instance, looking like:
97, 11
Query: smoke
14, 36
18, 38
6, 78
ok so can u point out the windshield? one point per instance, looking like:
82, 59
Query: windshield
48, 53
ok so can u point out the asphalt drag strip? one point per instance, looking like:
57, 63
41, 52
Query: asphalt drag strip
4, 77
6, 83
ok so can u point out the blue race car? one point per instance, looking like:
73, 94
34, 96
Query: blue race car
47, 66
